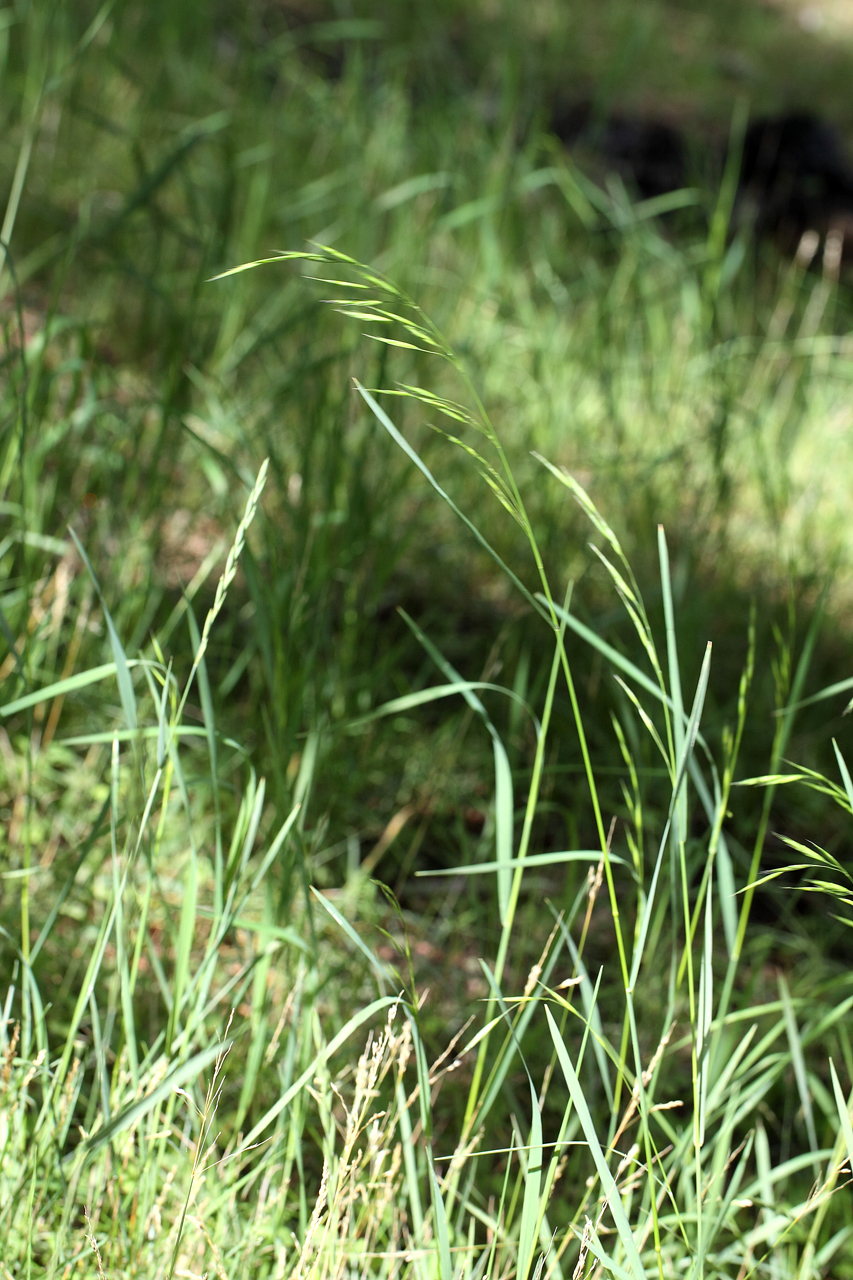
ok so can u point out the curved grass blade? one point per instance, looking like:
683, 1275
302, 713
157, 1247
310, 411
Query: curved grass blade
795, 1044
843, 1113
148, 732
845, 774
611, 1191
681, 768
187, 1071
674, 676
383, 973
415, 457
69, 685
530, 1206
504, 802
409, 700
532, 860
607, 651
125, 683
357, 1020
440, 1213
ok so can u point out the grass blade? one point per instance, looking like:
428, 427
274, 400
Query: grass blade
796, 1046
70, 685
411, 453
843, 1113
530, 1206
125, 683
440, 1213
356, 1021
611, 1191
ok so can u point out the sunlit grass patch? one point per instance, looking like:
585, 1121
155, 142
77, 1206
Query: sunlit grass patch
673, 1108
299, 838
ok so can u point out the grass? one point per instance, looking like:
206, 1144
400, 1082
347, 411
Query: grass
277, 646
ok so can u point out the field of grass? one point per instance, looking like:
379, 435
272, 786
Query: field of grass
424, 654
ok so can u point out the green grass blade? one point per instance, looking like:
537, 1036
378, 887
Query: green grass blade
841, 686
504, 836
125, 683
530, 1206
532, 860
70, 685
795, 1044
504, 802
384, 974
613, 1268
843, 1113
408, 701
612, 655
186, 929
704, 1015
511, 1044
440, 1214
592, 1011
845, 773
623, 1228
674, 675
128, 1020
413, 455
209, 719
357, 1020
188, 1071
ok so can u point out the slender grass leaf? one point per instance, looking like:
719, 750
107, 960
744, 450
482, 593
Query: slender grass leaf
843, 1113
148, 732
470, 212
293, 256
845, 774
841, 686
674, 673
276, 846
607, 651
364, 315
183, 952
504, 803
597, 1250
648, 723
796, 1046
411, 188
395, 342
593, 1013
412, 454
433, 694
125, 683
69, 685
281, 933
611, 1191
440, 1214
532, 860
704, 1014
189, 1071
382, 972
356, 1021
530, 1205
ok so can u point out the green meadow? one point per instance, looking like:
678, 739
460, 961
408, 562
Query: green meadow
425, 588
